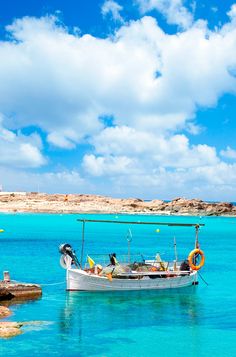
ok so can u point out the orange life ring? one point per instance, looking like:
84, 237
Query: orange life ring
191, 259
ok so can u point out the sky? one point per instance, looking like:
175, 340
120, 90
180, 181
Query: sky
132, 98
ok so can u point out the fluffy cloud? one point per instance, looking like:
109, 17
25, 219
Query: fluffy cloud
209, 182
229, 153
232, 12
108, 166
174, 151
142, 77
112, 8
54, 182
18, 150
173, 10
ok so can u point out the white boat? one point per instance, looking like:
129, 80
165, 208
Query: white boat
143, 274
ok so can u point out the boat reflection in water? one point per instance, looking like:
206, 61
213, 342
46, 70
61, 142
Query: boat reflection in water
94, 316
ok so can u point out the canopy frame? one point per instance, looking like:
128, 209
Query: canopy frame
88, 220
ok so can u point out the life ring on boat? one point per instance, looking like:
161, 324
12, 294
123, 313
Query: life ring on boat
191, 259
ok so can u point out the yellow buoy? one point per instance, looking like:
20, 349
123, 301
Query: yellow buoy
158, 230
1, 230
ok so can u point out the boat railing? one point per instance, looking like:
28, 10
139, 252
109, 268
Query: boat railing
138, 259
104, 259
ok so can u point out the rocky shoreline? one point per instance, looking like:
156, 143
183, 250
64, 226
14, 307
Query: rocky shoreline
13, 292
34, 202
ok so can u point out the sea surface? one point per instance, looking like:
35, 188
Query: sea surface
195, 321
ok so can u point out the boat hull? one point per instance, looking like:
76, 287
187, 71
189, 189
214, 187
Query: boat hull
78, 280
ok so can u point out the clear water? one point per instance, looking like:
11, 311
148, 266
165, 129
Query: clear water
195, 321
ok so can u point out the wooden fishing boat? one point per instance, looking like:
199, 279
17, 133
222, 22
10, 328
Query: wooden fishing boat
138, 274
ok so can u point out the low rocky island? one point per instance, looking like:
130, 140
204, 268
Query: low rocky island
82, 203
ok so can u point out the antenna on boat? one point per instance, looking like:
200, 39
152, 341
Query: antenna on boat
175, 248
176, 255
129, 240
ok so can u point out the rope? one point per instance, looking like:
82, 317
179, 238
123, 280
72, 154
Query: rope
62, 282
203, 279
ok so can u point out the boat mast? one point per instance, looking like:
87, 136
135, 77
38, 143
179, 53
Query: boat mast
82, 246
196, 239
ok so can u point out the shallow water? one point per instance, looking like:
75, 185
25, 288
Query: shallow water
194, 321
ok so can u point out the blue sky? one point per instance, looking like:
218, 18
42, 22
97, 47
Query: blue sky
122, 98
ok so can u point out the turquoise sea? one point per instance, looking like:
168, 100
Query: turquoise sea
195, 321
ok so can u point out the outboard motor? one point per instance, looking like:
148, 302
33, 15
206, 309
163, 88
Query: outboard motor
66, 250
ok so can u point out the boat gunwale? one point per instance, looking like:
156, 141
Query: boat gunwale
164, 273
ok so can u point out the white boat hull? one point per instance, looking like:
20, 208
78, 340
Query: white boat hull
78, 280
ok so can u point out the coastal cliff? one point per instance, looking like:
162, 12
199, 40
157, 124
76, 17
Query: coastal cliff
82, 203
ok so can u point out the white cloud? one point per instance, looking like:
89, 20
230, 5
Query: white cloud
173, 10
144, 165
209, 182
60, 140
214, 9
55, 182
194, 129
229, 153
220, 174
112, 8
232, 12
107, 166
214, 182
174, 151
18, 150
142, 77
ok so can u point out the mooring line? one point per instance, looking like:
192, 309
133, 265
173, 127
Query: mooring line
203, 279
61, 282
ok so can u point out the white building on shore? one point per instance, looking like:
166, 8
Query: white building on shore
13, 192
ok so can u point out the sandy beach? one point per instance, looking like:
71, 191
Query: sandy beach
33, 202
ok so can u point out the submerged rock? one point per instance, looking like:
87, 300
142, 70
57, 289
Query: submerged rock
4, 312
10, 329
9, 332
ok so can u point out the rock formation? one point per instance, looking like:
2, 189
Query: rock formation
21, 291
